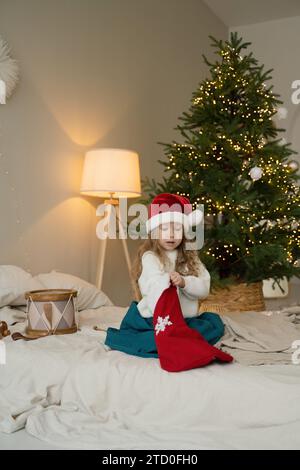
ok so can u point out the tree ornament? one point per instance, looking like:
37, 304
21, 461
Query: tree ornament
294, 165
282, 113
255, 173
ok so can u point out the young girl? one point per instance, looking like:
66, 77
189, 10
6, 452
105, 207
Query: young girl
163, 258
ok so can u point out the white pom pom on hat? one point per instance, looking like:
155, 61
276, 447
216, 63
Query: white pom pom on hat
195, 217
167, 207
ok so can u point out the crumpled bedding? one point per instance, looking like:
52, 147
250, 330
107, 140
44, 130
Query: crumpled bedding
256, 338
71, 391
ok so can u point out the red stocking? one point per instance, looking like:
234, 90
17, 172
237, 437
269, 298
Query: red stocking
180, 347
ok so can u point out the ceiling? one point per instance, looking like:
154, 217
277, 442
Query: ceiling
242, 12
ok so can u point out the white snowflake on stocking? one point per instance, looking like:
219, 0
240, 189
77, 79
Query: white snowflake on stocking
162, 323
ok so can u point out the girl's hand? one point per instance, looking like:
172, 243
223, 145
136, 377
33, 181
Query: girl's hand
176, 279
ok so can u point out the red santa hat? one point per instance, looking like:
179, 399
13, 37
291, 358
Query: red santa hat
180, 347
167, 207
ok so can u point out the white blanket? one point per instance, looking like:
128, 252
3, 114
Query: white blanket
71, 391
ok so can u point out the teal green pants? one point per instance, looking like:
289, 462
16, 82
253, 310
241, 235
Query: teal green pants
136, 333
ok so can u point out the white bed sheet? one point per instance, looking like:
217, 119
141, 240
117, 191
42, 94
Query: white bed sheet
72, 392
21, 440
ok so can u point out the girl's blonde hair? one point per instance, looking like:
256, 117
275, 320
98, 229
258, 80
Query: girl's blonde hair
187, 262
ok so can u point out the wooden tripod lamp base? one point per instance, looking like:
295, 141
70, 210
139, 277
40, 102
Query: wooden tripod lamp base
103, 243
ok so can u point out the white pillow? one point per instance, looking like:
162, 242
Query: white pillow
88, 295
14, 282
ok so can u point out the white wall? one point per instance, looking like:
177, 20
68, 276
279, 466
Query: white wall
113, 73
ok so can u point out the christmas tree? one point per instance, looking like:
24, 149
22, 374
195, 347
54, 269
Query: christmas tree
233, 161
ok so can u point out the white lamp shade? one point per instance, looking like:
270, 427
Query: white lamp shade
109, 171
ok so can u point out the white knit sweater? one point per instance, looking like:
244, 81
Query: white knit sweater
154, 279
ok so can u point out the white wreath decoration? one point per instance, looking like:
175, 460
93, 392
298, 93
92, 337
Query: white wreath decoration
9, 69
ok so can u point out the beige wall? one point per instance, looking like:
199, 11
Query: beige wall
114, 73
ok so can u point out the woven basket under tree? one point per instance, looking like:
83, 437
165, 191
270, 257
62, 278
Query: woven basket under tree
235, 298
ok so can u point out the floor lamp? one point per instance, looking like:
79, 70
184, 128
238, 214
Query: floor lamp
111, 173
